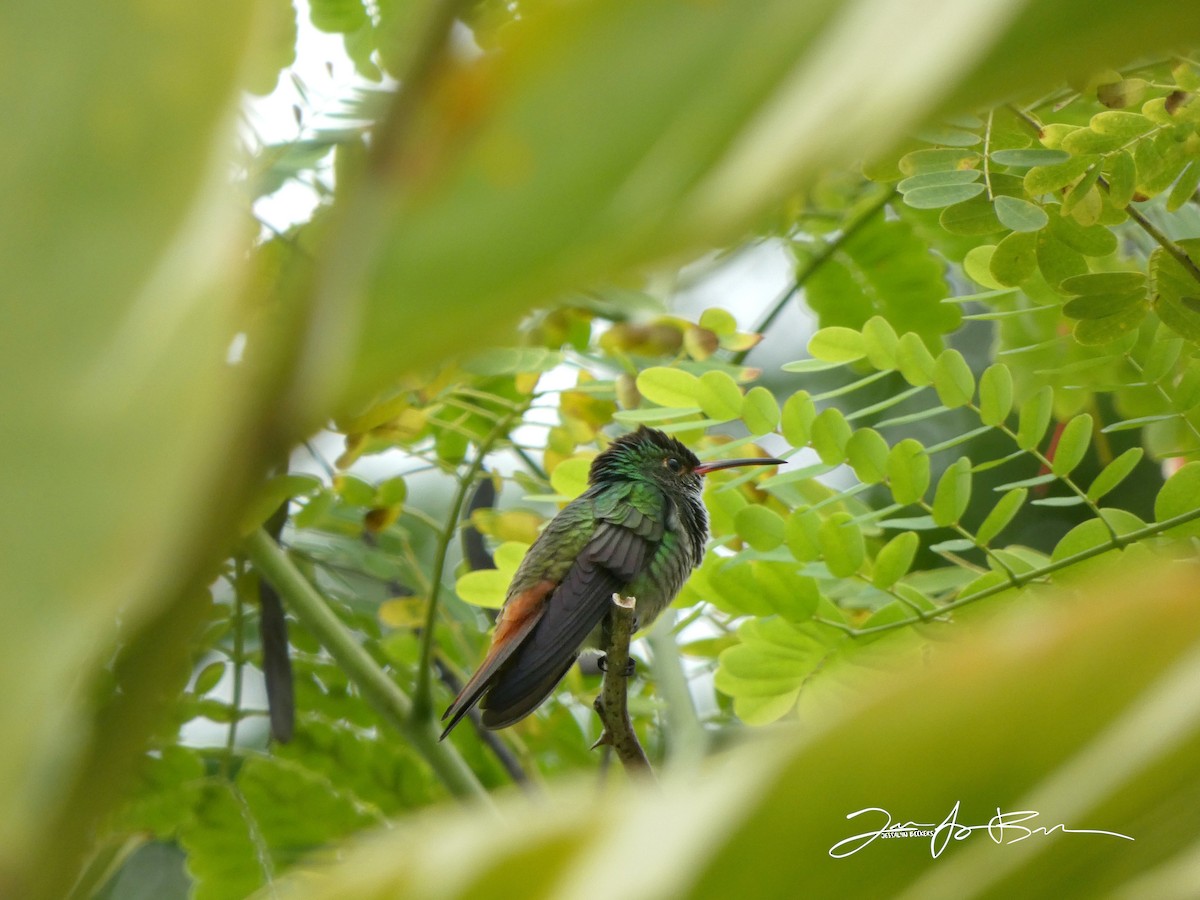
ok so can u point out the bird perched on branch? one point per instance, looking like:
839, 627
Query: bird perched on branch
638, 530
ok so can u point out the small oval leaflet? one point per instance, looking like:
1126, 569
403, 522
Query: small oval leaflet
867, 453
908, 471
837, 344
1114, 473
1001, 515
830, 435
1073, 445
842, 545
1025, 159
893, 561
760, 412
668, 387
995, 394
1020, 215
953, 493
940, 196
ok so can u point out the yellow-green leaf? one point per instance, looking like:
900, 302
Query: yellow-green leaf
836, 344
953, 493
830, 435
1035, 418
842, 545
760, 412
894, 559
761, 528
995, 394
952, 379
669, 387
797, 418
1000, 515
908, 471
719, 396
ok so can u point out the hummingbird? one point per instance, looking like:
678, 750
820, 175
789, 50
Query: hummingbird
638, 530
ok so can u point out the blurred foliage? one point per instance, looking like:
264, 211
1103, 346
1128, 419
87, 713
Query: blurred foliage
999, 409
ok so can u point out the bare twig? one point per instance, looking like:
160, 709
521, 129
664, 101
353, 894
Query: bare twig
612, 705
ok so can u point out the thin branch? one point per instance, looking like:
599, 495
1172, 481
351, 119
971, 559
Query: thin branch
1161, 239
373, 683
239, 652
1022, 579
423, 695
612, 704
814, 265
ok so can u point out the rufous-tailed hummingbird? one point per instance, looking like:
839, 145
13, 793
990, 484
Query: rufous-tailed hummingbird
638, 530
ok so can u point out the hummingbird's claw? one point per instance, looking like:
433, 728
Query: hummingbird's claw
630, 665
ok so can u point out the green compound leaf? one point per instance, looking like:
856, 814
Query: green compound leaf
867, 453
908, 471
884, 269
842, 545
952, 379
894, 559
797, 417
1035, 419
830, 435
764, 672
953, 493
1001, 515
1073, 445
1114, 473
672, 388
760, 412
995, 394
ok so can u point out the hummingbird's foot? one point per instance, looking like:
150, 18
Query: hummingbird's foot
630, 665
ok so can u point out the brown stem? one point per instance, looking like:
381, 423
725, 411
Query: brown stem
612, 705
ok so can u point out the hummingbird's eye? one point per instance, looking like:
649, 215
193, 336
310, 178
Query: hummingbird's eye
673, 464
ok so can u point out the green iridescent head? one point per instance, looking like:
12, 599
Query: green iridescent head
649, 454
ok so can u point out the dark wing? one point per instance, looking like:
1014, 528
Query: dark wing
609, 561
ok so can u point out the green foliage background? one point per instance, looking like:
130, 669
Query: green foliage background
992, 210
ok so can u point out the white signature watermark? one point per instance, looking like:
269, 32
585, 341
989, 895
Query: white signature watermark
1002, 828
